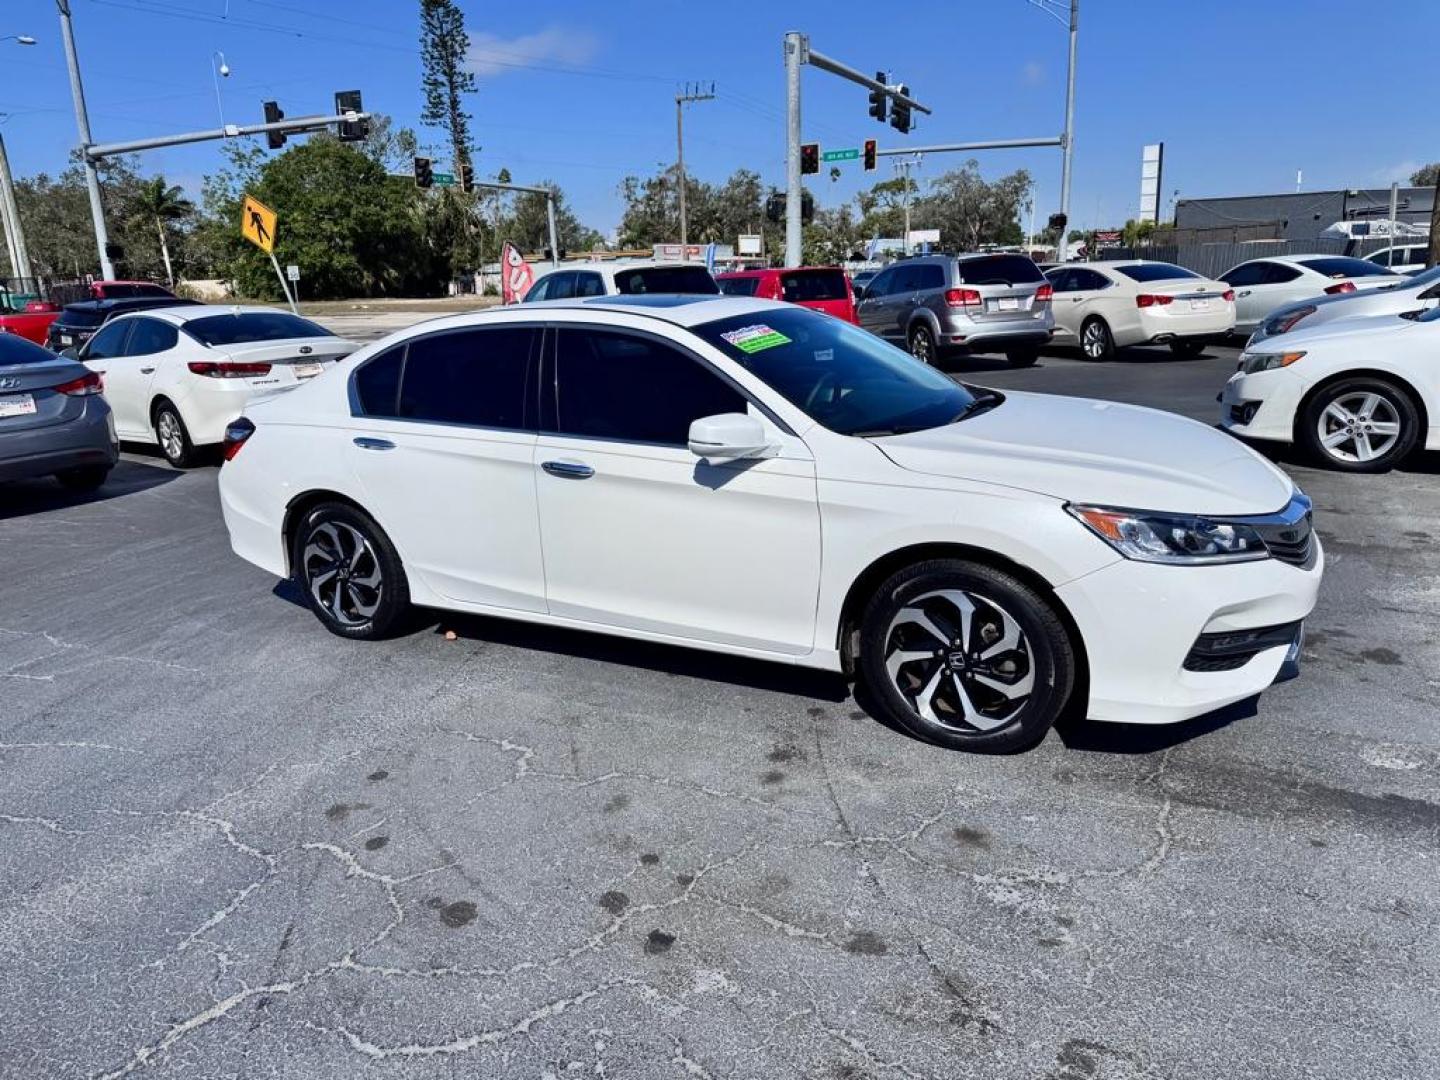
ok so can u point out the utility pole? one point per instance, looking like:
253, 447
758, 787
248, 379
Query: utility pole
82, 122
14, 231
689, 94
1068, 151
902, 169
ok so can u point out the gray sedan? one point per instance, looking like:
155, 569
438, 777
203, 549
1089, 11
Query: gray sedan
53, 421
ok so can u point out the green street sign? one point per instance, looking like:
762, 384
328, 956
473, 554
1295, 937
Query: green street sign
444, 179
851, 154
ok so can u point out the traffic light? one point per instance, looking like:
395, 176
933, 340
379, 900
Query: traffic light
347, 101
809, 157
870, 153
900, 111
879, 99
467, 178
273, 115
1057, 224
424, 174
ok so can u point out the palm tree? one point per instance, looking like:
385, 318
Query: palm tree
161, 203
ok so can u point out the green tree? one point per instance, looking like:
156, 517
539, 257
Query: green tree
882, 208
831, 237
526, 225
970, 212
162, 204
1426, 175
444, 76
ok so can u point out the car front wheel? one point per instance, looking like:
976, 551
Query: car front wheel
966, 656
1362, 425
350, 572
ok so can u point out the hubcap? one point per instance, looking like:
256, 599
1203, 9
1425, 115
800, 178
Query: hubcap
1361, 426
171, 441
959, 660
1094, 341
920, 345
342, 572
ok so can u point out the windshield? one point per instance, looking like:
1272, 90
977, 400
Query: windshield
841, 376
738, 286
665, 279
16, 350
1341, 266
1157, 271
248, 326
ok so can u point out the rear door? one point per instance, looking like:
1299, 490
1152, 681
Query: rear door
1065, 303
1254, 290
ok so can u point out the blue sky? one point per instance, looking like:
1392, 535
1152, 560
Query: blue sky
1242, 94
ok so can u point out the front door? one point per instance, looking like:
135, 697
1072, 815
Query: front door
443, 450
127, 386
638, 532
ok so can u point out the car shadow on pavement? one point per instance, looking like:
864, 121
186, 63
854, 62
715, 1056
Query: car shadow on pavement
1133, 354
1094, 736
43, 494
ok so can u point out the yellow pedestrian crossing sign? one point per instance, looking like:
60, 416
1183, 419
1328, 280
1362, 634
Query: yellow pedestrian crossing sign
257, 224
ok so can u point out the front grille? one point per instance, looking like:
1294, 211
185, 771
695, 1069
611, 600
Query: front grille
1293, 544
1233, 649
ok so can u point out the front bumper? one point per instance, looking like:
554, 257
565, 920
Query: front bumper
1142, 622
1263, 405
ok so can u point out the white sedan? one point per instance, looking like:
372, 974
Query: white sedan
1262, 285
1102, 306
176, 377
758, 479
1359, 394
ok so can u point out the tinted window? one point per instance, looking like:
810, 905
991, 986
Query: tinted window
246, 326
906, 278
474, 377
151, 336
1251, 273
16, 350
82, 316
110, 341
998, 270
881, 283
738, 286
841, 376
1061, 280
377, 383
1342, 267
562, 286
929, 276
798, 286
1089, 280
539, 291
1279, 273
1157, 271
588, 284
665, 279
612, 385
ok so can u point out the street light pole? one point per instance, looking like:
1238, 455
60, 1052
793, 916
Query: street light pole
82, 122
794, 57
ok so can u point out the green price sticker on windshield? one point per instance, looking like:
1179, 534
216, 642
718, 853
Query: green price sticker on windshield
753, 339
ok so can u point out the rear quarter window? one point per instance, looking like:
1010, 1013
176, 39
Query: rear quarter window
740, 286
999, 270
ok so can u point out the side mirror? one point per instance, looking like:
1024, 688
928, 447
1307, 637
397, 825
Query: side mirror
727, 436
72, 353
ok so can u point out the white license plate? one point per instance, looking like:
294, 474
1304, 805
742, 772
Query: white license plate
1005, 303
308, 371
67, 339
1199, 305
17, 405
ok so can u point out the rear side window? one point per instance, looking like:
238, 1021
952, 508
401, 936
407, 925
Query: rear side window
1279, 273
998, 270
799, 286
1342, 267
1251, 273
1157, 271
474, 377
665, 279
738, 286
613, 385
151, 336
1083, 280
377, 383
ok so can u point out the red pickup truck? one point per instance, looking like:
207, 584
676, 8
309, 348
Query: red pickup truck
32, 320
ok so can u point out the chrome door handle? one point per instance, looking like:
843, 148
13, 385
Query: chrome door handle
1243, 292
146, 370
365, 443
569, 470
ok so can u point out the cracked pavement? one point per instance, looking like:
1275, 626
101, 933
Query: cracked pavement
233, 845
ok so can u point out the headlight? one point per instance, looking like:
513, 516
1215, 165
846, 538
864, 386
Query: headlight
1283, 324
1172, 538
1253, 362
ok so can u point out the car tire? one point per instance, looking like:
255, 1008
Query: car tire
1096, 341
1360, 425
349, 572
922, 344
999, 691
1187, 348
173, 437
1022, 357
86, 479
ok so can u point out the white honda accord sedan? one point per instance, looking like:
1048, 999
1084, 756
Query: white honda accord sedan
758, 479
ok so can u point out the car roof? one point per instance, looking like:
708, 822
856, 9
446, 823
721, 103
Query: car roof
761, 271
191, 311
678, 309
129, 303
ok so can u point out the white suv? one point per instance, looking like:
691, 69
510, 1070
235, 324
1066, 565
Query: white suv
755, 478
579, 280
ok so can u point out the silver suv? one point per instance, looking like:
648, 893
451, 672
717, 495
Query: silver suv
939, 304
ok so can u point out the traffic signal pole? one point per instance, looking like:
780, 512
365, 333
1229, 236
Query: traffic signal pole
549, 211
229, 131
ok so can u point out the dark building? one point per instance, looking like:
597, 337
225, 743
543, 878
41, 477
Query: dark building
1301, 216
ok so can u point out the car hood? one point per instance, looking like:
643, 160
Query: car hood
1346, 331
1097, 452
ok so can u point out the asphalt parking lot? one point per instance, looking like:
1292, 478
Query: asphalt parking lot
233, 845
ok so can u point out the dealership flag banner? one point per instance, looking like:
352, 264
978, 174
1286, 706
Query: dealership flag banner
516, 275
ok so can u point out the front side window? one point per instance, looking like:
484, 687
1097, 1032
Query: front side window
839, 375
614, 385
110, 341
151, 336
540, 290
245, 327
880, 284
475, 377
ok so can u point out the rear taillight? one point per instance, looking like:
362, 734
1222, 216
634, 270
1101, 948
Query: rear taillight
236, 432
89, 383
963, 297
1228, 296
1151, 299
1045, 293
227, 369
1342, 287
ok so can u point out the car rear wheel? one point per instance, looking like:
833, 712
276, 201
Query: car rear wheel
350, 572
922, 344
966, 656
1362, 425
1096, 341
87, 479
172, 436
1187, 347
